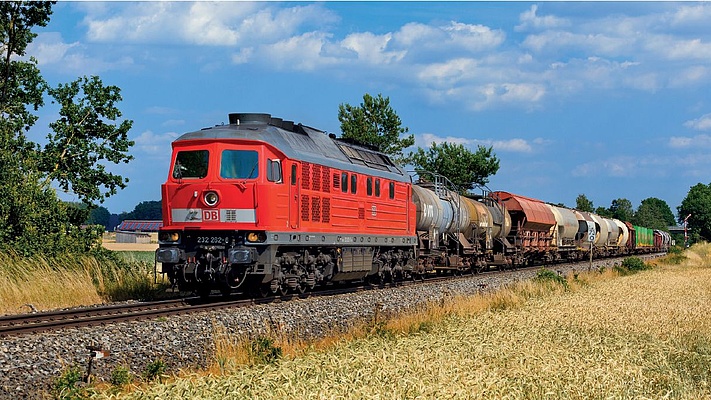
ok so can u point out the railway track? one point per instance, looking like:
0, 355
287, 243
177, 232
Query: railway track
104, 315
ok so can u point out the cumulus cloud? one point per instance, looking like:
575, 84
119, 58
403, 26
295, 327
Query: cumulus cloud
510, 93
202, 23
50, 49
530, 20
702, 123
695, 142
154, 145
459, 62
515, 145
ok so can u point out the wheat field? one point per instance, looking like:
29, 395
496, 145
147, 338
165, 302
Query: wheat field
646, 335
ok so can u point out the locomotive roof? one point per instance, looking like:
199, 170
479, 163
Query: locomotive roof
301, 142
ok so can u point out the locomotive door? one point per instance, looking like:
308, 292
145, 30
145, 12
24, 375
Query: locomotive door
294, 195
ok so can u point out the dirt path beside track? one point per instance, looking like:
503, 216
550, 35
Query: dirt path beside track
130, 246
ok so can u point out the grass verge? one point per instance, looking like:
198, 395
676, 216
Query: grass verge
42, 284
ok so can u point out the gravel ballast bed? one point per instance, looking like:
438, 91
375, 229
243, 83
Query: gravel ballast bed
29, 363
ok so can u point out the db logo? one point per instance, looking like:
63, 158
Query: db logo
210, 215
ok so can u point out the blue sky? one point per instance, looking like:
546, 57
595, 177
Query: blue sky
608, 99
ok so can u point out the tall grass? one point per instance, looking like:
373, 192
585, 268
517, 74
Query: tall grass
599, 335
38, 283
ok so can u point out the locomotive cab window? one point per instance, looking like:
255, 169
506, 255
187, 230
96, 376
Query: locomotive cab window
293, 174
274, 171
392, 190
191, 164
239, 164
354, 183
377, 187
369, 186
344, 182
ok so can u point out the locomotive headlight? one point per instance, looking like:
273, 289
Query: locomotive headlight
168, 236
256, 237
211, 198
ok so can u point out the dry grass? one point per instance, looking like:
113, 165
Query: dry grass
44, 284
646, 335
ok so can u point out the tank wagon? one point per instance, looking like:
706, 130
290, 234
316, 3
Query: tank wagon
270, 206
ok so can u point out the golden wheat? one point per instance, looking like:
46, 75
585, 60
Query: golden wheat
640, 336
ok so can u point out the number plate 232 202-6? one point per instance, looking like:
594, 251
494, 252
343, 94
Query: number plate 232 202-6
212, 240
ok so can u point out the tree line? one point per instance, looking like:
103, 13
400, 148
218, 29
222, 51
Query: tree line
376, 124
90, 134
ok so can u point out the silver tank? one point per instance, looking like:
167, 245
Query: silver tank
452, 213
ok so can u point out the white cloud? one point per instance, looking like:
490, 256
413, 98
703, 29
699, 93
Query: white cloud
702, 123
695, 142
201, 23
527, 94
154, 145
530, 20
372, 49
516, 145
49, 47
449, 73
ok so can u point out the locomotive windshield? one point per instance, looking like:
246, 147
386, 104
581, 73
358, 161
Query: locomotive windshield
239, 164
191, 164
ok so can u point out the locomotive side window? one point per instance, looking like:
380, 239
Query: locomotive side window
191, 164
392, 190
344, 182
354, 183
369, 186
239, 164
293, 174
377, 187
274, 171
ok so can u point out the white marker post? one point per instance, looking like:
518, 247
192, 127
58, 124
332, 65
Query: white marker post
591, 238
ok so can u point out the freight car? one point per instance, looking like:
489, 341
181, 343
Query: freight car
269, 206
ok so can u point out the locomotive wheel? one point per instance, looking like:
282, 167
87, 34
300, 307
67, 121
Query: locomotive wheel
283, 290
263, 291
301, 288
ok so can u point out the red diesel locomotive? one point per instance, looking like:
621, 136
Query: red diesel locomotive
268, 206
276, 206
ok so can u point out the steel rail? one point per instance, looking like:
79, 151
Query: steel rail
105, 315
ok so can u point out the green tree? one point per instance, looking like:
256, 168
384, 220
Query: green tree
654, 213
622, 209
603, 212
697, 203
100, 216
74, 156
375, 123
462, 167
82, 138
582, 203
146, 210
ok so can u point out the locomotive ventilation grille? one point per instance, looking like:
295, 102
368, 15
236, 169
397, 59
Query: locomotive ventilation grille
316, 178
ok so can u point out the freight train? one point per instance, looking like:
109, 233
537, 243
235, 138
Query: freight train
268, 206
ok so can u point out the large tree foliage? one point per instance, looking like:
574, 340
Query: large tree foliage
697, 203
462, 167
582, 203
375, 123
32, 218
82, 138
654, 213
622, 209
147, 210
